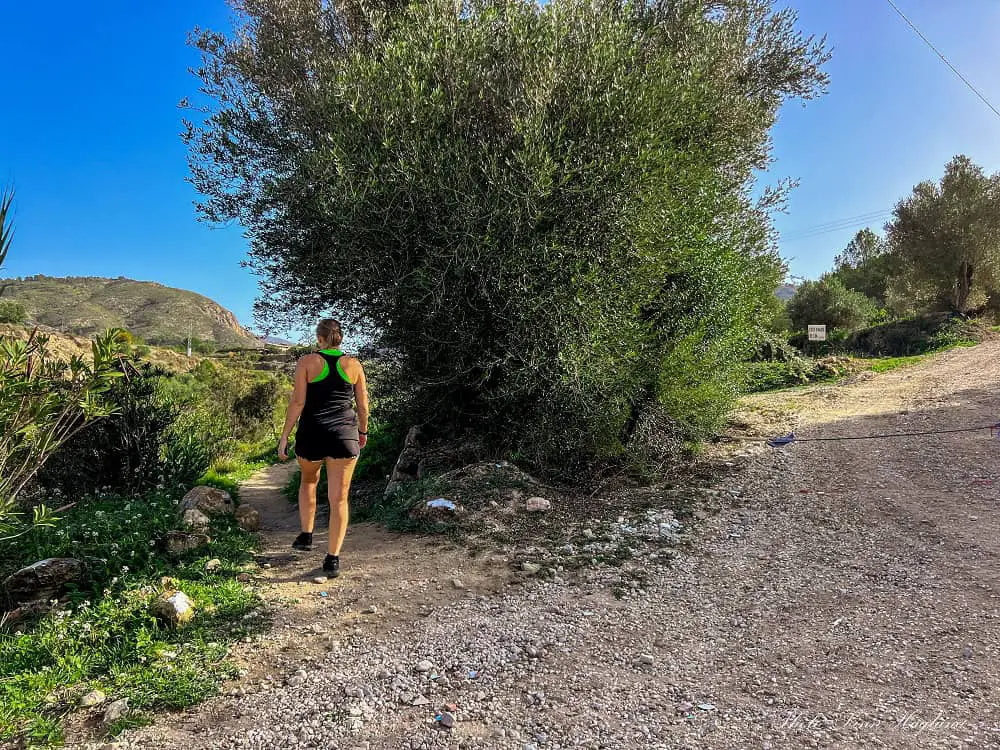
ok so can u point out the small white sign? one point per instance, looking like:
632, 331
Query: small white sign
817, 333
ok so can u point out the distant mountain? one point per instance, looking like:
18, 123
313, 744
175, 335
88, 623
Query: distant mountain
786, 291
275, 341
158, 314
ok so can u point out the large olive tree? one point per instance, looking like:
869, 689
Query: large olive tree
544, 209
946, 237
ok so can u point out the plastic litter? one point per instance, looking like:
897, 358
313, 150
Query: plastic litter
441, 503
781, 442
322, 593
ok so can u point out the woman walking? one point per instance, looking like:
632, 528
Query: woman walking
330, 430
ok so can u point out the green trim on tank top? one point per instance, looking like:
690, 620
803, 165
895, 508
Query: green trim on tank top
326, 367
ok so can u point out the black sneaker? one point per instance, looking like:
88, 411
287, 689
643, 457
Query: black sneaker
303, 541
331, 565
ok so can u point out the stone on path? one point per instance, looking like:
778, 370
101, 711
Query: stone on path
93, 698
247, 518
209, 500
115, 711
538, 505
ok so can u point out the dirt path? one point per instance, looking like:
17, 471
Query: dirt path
846, 595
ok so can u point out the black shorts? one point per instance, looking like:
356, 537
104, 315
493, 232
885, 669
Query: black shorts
318, 445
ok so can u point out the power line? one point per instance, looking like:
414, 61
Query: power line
944, 59
837, 225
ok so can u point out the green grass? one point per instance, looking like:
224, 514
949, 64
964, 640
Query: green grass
775, 376
103, 636
227, 473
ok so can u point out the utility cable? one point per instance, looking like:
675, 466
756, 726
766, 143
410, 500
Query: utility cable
944, 59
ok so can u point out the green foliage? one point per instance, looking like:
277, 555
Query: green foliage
157, 314
917, 335
867, 266
12, 312
544, 209
124, 452
225, 411
43, 404
105, 638
828, 302
947, 239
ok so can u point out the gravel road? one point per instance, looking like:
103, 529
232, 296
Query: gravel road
836, 595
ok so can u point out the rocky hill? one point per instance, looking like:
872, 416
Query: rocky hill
158, 314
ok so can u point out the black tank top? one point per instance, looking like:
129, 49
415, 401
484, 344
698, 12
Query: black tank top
329, 400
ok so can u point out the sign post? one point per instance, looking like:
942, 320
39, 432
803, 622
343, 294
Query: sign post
817, 333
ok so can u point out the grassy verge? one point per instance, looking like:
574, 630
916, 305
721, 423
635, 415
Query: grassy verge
227, 473
776, 376
103, 637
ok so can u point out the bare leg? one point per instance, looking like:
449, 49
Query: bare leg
338, 473
307, 493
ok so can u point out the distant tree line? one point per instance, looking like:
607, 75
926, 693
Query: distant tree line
940, 253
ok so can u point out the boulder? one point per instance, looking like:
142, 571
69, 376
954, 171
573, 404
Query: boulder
195, 519
209, 500
179, 542
247, 518
26, 612
115, 711
173, 608
93, 698
43, 580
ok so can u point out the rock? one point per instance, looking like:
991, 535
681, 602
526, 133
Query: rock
43, 580
213, 564
685, 707
370, 610
320, 579
419, 700
247, 518
115, 710
530, 568
243, 577
209, 500
424, 666
93, 698
447, 720
195, 519
27, 611
538, 505
175, 608
647, 659
179, 542
457, 583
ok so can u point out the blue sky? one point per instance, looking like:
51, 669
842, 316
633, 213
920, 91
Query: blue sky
89, 133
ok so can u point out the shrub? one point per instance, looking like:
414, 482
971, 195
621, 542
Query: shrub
123, 452
916, 335
12, 312
828, 302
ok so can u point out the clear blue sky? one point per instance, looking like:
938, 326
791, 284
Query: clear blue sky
89, 132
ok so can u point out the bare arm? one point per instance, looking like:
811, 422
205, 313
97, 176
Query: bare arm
357, 375
295, 403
